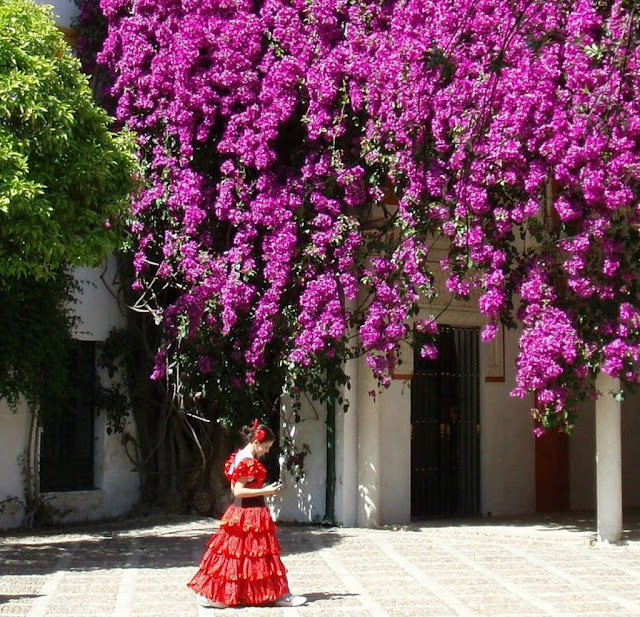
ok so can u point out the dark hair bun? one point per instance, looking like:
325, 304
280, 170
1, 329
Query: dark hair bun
261, 432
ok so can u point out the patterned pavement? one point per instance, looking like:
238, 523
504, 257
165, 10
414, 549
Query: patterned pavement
488, 567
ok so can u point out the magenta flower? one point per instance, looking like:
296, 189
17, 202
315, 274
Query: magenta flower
313, 166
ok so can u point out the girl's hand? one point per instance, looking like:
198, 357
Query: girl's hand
272, 489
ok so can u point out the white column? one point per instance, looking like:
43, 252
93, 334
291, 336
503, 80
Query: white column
346, 500
395, 453
608, 460
347, 452
369, 471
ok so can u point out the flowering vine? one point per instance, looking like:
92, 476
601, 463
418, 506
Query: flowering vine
302, 156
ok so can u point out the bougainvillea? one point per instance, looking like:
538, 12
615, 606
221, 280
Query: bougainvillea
303, 156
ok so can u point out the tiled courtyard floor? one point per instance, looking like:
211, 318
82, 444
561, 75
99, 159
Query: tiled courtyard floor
498, 568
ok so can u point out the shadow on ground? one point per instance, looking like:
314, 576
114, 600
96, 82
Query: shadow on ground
20, 596
159, 545
577, 523
170, 542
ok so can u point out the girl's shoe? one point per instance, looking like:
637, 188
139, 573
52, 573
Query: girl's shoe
291, 600
202, 601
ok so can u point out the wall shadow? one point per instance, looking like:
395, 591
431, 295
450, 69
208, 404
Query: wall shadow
142, 546
577, 523
4, 598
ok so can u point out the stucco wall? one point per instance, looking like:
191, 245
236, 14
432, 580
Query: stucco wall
96, 307
14, 430
373, 447
372, 458
346, 503
116, 484
506, 439
507, 448
65, 11
395, 453
304, 501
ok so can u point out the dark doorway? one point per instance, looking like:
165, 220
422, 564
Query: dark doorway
552, 472
445, 428
66, 449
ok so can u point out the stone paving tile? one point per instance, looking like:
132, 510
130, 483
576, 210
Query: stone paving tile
28, 584
13, 608
140, 569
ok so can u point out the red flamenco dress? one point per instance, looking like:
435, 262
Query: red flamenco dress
242, 565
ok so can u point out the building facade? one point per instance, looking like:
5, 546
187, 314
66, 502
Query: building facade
446, 439
84, 472
389, 473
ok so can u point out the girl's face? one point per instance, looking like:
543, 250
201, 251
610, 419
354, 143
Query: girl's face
261, 448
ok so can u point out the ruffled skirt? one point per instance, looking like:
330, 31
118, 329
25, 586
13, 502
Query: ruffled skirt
242, 562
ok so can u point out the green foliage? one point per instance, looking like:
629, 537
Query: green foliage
65, 176
36, 338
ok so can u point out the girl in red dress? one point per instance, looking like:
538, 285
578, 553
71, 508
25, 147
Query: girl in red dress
242, 565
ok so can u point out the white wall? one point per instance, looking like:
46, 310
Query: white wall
507, 447
373, 458
304, 501
64, 10
368, 495
395, 453
116, 484
373, 448
14, 431
97, 307
346, 498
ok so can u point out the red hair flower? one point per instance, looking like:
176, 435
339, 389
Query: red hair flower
259, 434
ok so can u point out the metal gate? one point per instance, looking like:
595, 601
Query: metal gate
445, 429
